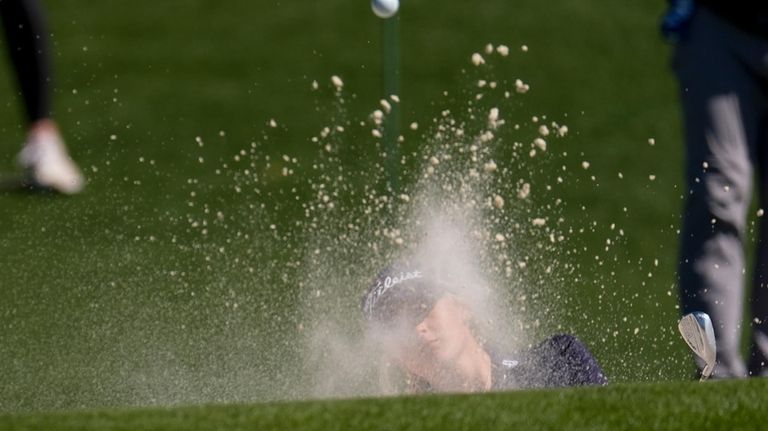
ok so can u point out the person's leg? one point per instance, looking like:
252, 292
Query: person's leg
717, 94
758, 359
44, 156
26, 37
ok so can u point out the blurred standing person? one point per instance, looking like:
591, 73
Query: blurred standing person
44, 156
721, 62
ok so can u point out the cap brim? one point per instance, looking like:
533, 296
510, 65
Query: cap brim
411, 302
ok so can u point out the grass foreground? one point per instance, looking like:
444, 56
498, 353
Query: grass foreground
732, 405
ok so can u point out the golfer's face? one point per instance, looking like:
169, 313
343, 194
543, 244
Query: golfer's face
439, 338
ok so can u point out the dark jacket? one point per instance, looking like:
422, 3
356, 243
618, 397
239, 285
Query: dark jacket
559, 361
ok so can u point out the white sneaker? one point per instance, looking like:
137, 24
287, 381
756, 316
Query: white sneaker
46, 160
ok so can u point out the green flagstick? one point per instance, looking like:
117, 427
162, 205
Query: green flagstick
391, 86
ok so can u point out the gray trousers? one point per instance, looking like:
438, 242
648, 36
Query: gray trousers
723, 76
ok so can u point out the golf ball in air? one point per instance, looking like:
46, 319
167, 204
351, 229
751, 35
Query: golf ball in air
385, 8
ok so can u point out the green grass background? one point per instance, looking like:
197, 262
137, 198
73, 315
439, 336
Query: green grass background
110, 299
724, 405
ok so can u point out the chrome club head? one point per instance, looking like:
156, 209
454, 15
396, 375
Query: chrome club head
696, 329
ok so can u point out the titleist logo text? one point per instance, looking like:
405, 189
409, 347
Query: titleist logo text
387, 283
